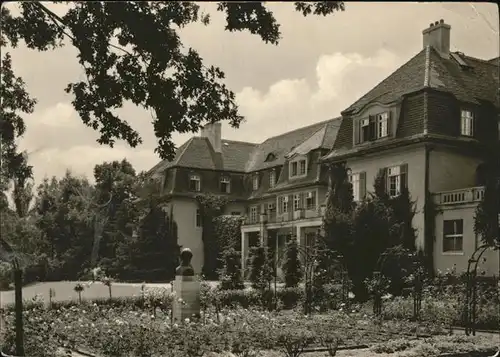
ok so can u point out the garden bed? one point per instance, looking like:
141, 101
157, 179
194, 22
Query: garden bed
128, 330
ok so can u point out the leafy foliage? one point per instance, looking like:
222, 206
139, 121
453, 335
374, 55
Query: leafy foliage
487, 216
292, 266
152, 253
133, 52
227, 229
257, 265
230, 276
210, 206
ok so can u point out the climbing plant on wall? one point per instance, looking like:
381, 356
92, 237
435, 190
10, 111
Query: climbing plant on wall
210, 206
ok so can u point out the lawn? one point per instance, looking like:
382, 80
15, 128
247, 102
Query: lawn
64, 291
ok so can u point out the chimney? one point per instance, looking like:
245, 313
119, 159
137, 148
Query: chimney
212, 132
437, 35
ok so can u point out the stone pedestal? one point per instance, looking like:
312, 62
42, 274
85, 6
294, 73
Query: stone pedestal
187, 298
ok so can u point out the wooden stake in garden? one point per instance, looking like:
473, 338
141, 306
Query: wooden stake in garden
79, 288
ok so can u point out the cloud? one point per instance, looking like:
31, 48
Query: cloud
81, 160
57, 140
340, 79
62, 115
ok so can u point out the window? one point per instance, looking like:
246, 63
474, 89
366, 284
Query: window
298, 168
194, 183
293, 169
453, 234
235, 213
225, 185
467, 123
365, 130
270, 157
372, 128
255, 182
272, 178
296, 202
198, 218
271, 207
397, 180
382, 125
358, 182
253, 214
354, 181
283, 204
311, 200
302, 167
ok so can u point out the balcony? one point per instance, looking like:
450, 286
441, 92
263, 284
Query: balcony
461, 196
273, 217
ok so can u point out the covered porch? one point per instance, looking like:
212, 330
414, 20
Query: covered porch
275, 236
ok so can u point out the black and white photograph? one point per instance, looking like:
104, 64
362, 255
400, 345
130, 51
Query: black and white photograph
249, 179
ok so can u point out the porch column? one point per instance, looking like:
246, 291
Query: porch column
299, 234
244, 250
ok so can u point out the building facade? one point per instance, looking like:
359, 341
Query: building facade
278, 185
429, 125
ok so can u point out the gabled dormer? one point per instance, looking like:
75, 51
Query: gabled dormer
374, 123
297, 167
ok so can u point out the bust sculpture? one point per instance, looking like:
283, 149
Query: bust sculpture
185, 268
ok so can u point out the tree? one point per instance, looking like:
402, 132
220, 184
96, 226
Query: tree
15, 101
487, 215
230, 276
337, 225
257, 265
339, 208
292, 266
211, 207
114, 188
64, 218
132, 52
152, 253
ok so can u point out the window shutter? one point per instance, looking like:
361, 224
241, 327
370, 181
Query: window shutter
386, 181
372, 127
403, 169
362, 185
357, 131
390, 129
302, 200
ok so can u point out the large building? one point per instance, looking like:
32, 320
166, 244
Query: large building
278, 185
430, 125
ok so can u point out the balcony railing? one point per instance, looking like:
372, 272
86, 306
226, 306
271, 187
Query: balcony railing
273, 217
466, 195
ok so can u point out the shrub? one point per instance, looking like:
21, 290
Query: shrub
257, 263
292, 266
5, 276
231, 278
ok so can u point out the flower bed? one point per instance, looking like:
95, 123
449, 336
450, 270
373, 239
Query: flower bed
231, 321
114, 330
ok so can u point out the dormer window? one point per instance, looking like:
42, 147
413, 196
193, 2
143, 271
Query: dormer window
270, 157
298, 168
382, 124
272, 178
194, 183
467, 123
372, 128
225, 185
255, 182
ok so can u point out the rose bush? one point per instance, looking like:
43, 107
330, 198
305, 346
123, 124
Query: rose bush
129, 330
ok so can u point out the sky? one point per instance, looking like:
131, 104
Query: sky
320, 67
